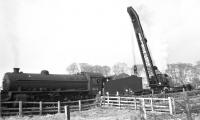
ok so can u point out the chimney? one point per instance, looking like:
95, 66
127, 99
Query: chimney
16, 70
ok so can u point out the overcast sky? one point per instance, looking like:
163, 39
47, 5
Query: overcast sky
51, 34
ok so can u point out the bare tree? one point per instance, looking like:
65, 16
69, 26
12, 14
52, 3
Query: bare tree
196, 82
197, 64
106, 70
85, 67
185, 71
97, 69
73, 68
119, 68
181, 73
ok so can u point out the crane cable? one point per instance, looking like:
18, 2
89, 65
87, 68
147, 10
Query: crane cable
134, 57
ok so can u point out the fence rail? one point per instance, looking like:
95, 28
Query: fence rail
187, 103
168, 105
26, 108
150, 104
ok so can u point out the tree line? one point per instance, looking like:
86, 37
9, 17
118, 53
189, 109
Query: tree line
116, 69
180, 73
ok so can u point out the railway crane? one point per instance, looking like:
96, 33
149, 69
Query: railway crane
157, 81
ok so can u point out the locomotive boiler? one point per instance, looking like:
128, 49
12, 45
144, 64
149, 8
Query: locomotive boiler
50, 87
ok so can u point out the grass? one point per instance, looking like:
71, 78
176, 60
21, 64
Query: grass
104, 114
93, 114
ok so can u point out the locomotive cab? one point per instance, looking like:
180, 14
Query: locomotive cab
95, 83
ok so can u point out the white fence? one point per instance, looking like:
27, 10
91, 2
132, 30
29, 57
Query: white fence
148, 104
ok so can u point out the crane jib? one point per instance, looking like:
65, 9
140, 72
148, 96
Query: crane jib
144, 51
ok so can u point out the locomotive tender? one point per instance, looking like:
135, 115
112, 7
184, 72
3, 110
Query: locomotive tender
124, 86
50, 87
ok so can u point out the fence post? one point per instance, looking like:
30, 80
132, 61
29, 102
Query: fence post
119, 101
152, 104
187, 106
174, 106
170, 106
108, 100
143, 110
98, 100
67, 113
20, 108
58, 106
102, 101
79, 105
40, 107
135, 103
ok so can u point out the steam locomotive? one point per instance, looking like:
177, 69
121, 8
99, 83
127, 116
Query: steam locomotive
50, 87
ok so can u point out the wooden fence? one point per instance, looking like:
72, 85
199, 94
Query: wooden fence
33, 108
166, 105
149, 104
187, 103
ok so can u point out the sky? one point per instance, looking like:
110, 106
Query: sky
51, 34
